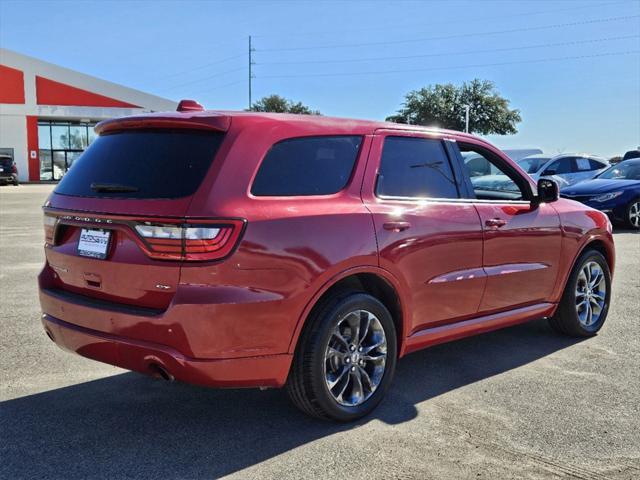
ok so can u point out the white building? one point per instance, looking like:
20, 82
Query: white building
47, 113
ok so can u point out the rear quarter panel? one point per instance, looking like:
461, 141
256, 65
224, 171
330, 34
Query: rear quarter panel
253, 301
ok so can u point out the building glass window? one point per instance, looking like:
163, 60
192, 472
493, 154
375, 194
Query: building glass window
60, 144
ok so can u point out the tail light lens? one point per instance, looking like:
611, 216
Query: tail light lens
191, 242
14, 169
49, 228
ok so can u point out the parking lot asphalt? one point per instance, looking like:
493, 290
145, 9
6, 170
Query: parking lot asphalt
517, 403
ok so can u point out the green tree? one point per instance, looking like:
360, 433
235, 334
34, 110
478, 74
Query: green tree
277, 104
443, 105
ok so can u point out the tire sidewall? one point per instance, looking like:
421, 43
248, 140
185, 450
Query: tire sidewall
597, 257
356, 301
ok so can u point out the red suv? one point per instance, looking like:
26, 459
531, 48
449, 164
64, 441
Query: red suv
237, 249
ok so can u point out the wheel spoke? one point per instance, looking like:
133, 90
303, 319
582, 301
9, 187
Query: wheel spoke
353, 319
338, 336
366, 379
595, 306
332, 383
634, 215
334, 353
364, 331
596, 278
589, 314
357, 387
369, 348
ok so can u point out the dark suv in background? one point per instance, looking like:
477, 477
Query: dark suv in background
8, 170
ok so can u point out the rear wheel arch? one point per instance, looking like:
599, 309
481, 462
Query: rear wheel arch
376, 282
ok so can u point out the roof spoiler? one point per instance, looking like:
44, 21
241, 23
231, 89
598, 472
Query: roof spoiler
213, 122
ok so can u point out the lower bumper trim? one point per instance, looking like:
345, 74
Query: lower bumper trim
144, 357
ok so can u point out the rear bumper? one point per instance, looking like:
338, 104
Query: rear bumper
149, 358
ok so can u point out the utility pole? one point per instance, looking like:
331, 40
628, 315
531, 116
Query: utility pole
251, 63
466, 118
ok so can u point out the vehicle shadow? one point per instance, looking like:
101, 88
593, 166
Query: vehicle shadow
129, 425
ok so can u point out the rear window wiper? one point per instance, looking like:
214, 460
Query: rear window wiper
112, 187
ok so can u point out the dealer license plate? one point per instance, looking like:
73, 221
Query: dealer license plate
94, 243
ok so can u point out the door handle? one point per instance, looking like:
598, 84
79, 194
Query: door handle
495, 222
396, 226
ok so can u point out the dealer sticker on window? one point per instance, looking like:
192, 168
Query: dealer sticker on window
94, 243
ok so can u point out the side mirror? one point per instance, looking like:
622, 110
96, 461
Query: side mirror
548, 191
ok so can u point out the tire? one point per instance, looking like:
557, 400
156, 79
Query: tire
632, 217
573, 320
321, 358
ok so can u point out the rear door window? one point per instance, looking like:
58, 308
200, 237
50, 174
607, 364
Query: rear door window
415, 167
143, 164
561, 166
307, 166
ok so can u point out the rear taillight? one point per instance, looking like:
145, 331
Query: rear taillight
14, 169
191, 242
49, 228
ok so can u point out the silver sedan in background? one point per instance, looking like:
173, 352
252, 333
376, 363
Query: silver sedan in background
566, 169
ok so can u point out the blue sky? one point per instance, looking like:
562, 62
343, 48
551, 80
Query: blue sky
359, 58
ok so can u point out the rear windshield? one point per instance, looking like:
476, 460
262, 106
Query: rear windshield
142, 164
6, 162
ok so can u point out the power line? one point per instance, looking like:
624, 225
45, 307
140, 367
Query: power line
457, 21
219, 74
461, 52
478, 65
447, 37
200, 67
209, 88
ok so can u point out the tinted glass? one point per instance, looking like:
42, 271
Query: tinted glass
44, 136
583, 164
59, 165
78, 137
60, 136
45, 165
532, 165
499, 184
149, 163
626, 170
477, 165
564, 165
596, 165
415, 167
307, 166
92, 134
